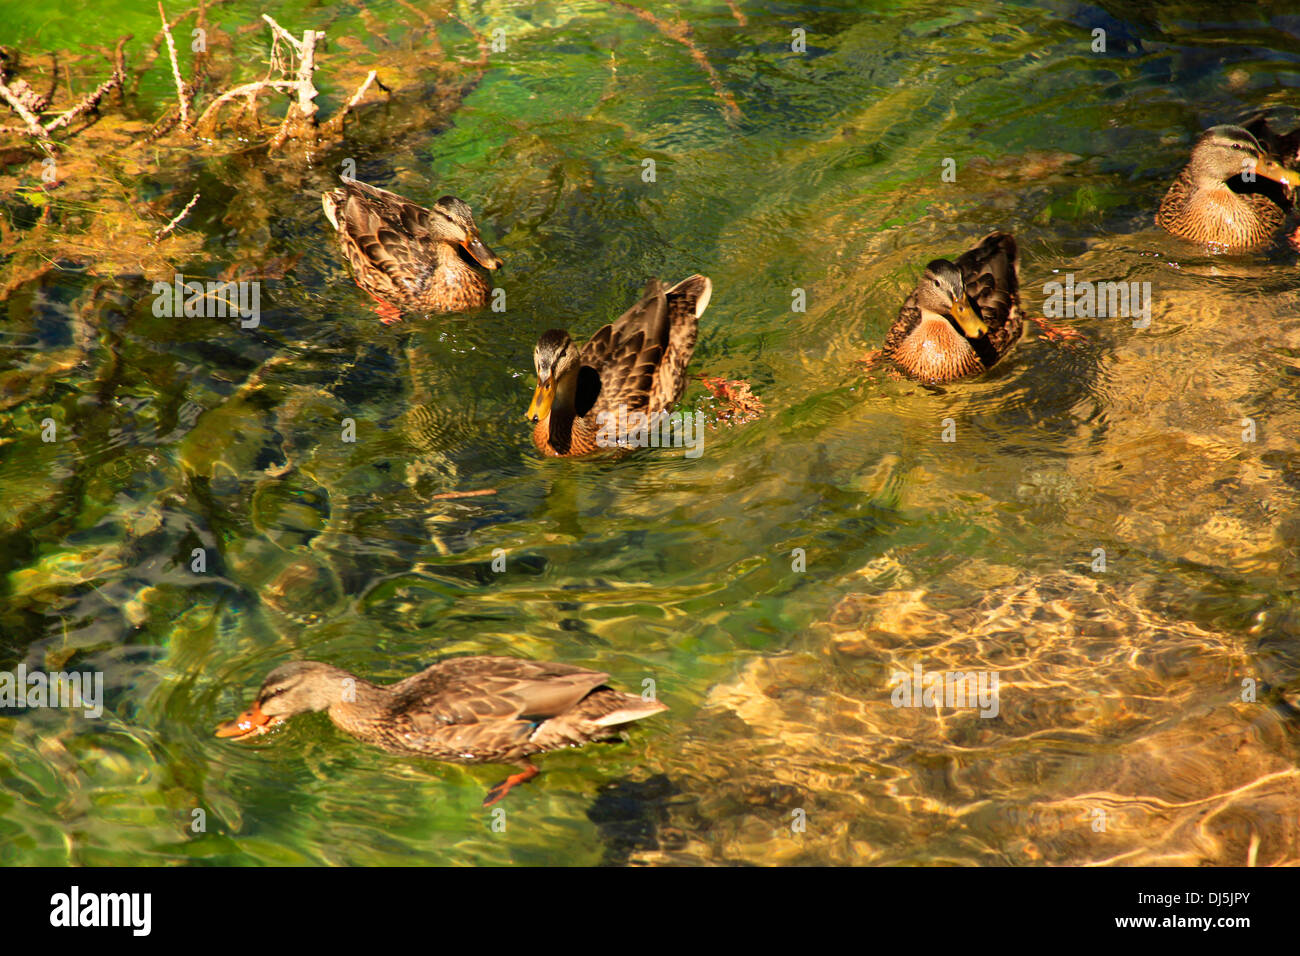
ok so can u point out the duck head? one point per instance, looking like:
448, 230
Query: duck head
942, 292
452, 221
557, 362
1223, 152
296, 688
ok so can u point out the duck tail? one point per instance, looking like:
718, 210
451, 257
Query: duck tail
331, 201
597, 716
686, 302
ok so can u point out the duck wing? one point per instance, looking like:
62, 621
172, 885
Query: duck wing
686, 302
992, 276
641, 356
475, 690
382, 233
626, 353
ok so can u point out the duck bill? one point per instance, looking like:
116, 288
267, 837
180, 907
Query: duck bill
964, 314
542, 399
251, 723
1278, 173
481, 253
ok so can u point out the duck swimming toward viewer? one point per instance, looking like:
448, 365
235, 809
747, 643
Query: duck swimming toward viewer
962, 317
636, 363
1234, 193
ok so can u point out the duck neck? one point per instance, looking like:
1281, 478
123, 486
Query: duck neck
353, 700
564, 408
449, 259
1222, 215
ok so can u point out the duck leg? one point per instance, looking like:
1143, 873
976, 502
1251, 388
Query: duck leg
497, 793
875, 358
388, 313
1056, 333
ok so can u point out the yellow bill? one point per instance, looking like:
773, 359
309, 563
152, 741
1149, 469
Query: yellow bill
542, 399
1277, 172
968, 318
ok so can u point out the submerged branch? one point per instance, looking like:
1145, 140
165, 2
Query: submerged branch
182, 91
163, 232
88, 102
33, 125
681, 32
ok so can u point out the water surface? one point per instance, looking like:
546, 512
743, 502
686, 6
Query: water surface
1121, 690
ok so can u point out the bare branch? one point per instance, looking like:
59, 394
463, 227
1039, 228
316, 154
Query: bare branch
335, 124
284, 34
181, 92
306, 68
248, 89
165, 230
88, 102
33, 126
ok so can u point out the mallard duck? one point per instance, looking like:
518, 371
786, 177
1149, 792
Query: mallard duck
637, 363
961, 317
1210, 201
461, 710
409, 258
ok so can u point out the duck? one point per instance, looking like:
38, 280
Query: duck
462, 710
962, 317
407, 257
634, 365
1211, 202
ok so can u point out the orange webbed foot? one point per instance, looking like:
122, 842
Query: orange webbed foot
742, 405
388, 314
497, 793
1057, 333
871, 359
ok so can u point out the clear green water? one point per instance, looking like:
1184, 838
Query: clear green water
1120, 689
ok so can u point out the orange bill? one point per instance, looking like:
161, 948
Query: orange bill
250, 723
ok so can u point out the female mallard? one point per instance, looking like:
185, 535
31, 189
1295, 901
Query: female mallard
408, 257
636, 364
1231, 193
962, 317
463, 710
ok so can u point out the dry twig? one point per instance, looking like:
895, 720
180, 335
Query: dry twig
446, 495
182, 93
33, 125
165, 230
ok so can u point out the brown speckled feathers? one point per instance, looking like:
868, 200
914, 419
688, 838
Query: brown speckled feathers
1214, 202
397, 251
938, 351
639, 361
